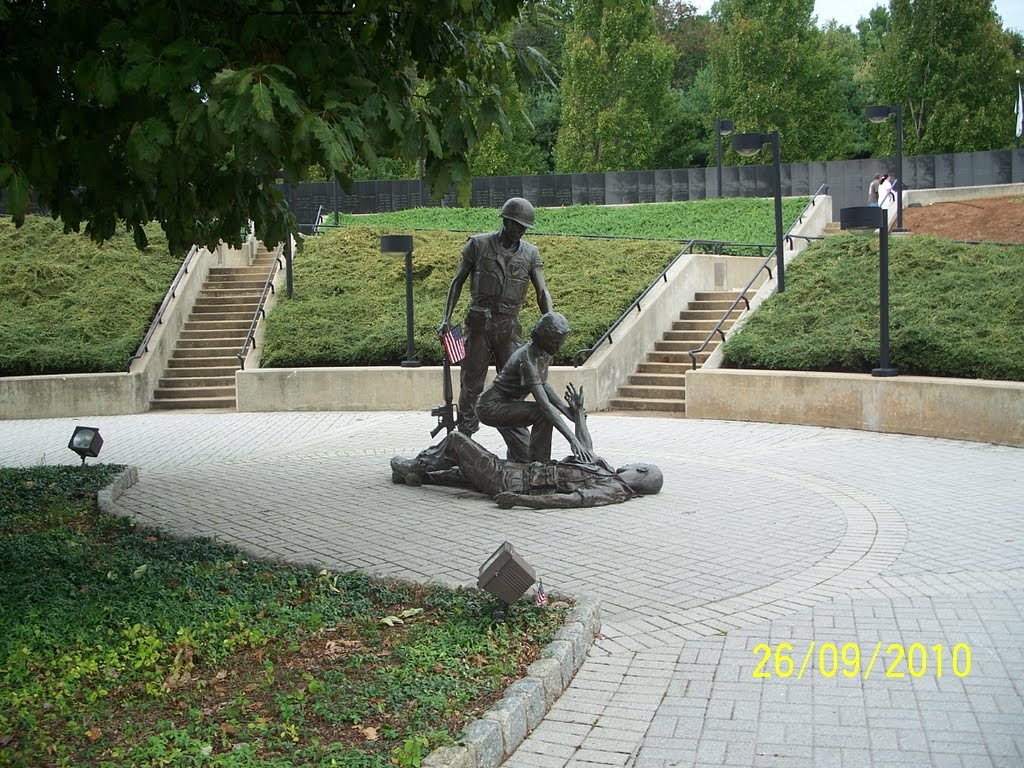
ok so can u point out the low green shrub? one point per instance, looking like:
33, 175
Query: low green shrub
736, 220
348, 306
955, 310
68, 305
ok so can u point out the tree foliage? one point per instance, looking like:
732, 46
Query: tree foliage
186, 113
950, 65
615, 88
689, 33
769, 71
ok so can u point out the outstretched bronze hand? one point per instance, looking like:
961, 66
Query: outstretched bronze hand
574, 399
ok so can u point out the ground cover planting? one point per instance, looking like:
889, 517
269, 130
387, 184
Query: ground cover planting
68, 305
955, 310
733, 220
348, 306
124, 647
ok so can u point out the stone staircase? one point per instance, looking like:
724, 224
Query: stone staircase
660, 383
201, 372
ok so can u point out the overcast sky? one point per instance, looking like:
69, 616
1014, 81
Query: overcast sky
849, 12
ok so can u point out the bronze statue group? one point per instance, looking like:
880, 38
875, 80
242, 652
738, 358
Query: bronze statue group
499, 266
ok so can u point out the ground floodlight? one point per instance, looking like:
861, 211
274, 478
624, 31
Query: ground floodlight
86, 441
506, 575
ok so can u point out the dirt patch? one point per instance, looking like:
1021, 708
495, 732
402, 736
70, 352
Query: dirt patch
992, 220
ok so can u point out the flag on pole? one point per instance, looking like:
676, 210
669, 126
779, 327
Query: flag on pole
1020, 111
541, 597
454, 344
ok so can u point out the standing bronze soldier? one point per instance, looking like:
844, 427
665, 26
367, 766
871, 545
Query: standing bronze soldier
500, 264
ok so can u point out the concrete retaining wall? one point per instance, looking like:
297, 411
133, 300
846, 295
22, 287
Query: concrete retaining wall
950, 194
987, 411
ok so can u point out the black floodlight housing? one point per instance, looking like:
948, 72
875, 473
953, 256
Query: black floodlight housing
506, 575
86, 441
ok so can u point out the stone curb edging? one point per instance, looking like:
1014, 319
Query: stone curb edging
107, 496
490, 740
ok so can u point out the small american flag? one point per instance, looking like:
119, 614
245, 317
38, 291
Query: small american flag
454, 344
541, 598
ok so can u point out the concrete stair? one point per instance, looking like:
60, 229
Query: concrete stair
659, 384
201, 372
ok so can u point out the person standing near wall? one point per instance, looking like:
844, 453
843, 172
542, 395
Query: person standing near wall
500, 264
873, 189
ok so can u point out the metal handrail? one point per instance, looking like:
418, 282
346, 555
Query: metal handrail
250, 338
319, 217
158, 318
823, 189
581, 357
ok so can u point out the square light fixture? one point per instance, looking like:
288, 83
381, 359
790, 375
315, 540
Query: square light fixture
86, 441
506, 575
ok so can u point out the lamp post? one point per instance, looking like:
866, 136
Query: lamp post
879, 114
866, 219
403, 244
748, 145
722, 128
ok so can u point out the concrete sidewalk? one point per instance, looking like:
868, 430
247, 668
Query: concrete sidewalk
858, 550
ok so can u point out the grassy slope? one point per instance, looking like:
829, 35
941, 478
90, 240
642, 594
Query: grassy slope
349, 303
70, 306
955, 310
738, 220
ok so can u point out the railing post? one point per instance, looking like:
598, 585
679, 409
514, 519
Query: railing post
288, 264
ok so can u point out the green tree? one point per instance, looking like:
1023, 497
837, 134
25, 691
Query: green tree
689, 33
769, 71
950, 65
615, 88
689, 138
511, 150
186, 113
841, 48
527, 146
872, 29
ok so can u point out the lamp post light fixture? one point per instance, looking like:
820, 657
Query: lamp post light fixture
403, 244
86, 441
722, 128
879, 114
748, 145
865, 219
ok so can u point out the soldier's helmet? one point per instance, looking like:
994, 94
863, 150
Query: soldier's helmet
519, 209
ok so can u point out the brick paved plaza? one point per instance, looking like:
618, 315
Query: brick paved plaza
837, 543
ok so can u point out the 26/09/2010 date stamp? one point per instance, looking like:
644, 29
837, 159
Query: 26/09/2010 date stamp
895, 661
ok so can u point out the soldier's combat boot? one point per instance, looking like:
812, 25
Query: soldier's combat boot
406, 471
